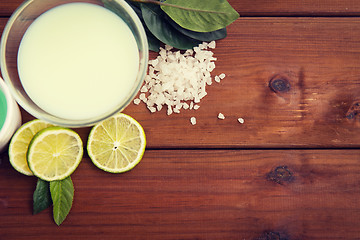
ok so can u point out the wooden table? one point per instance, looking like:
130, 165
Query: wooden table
291, 171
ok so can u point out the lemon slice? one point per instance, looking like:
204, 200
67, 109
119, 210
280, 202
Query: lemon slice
54, 153
116, 144
20, 142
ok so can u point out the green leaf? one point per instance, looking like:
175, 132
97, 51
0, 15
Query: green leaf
154, 43
202, 36
41, 197
62, 194
200, 15
155, 21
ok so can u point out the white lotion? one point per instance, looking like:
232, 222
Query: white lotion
78, 61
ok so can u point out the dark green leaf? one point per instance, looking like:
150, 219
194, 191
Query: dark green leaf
155, 21
41, 197
62, 194
154, 43
202, 36
200, 16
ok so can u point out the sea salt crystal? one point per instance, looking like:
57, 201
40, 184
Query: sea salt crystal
189, 52
197, 99
169, 110
210, 66
241, 120
212, 44
191, 105
142, 96
167, 47
152, 109
185, 105
217, 79
222, 76
154, 62
178, 106
196, 107
221, 116
137, 101
203, 45
193, 120
143, 89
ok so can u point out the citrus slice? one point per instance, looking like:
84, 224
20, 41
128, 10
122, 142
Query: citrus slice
116, 144
54, 153
20, 142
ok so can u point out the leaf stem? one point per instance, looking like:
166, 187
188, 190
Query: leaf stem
176, 6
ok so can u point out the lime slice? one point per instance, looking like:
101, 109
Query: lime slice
20, 142
117, 144
54, 153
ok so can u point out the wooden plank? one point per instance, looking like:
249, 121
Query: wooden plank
320, 58
263, 7
199, 194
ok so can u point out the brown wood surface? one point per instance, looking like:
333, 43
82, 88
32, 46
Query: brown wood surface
203, 181
320, 57
262, 7
199, 194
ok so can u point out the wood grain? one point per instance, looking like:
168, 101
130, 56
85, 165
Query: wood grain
262, 7
218, 188
320, 57
198, 194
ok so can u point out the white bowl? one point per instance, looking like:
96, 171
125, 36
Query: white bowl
11, 37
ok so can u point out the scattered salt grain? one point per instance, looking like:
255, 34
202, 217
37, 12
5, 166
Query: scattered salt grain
212, 44
241, 120
221, 116
217, 79
142, 96
191, 105
196, 107
193, 120
137, 101
154, 62
167, 47
210, 66
143, 89
185, 105
152, 109
222, 76
169, 110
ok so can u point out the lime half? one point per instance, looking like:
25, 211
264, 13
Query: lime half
54, 153
117, 144
20, 142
